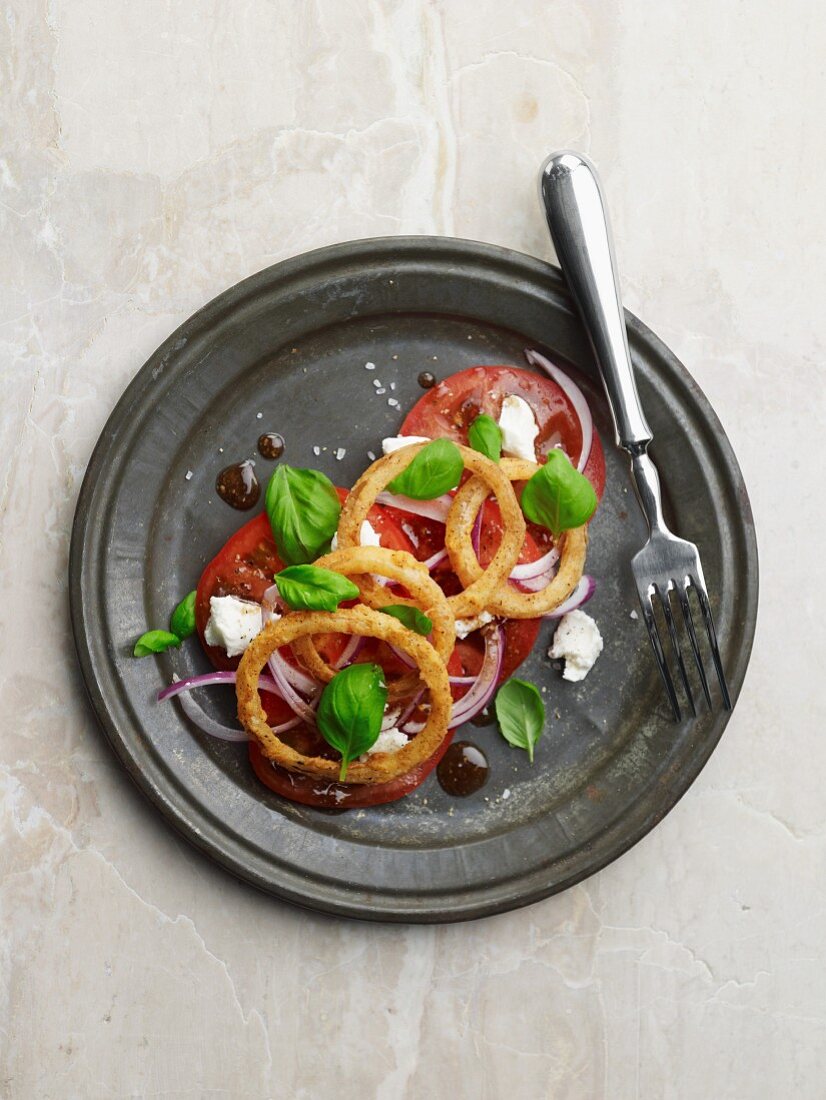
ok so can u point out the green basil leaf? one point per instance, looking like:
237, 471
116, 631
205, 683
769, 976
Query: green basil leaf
303, 509
351, 709
410, 617
558, 496
485, 436
520, 713
435, 470
182, 621
309, 588
155, 641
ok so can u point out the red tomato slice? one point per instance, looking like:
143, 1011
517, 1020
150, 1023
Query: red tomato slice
451, 407
245, 567
315, 792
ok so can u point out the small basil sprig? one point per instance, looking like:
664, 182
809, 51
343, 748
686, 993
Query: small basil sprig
303, 509
558, 496
310, 588
485, 436
155, 641
350, 711
181, 625
435, 470
520, 713
410, 617
182, 620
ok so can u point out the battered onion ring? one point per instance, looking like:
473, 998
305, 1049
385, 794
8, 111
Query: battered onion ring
507, 600
380, 766
396, 565
476, 595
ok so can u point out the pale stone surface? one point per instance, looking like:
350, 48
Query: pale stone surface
155, 153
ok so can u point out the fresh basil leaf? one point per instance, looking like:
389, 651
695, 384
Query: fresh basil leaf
303, 509
435, 470
521, 714
410, 617
558, 496
351, 709
485, 436
155, 641
182, 621
310, 588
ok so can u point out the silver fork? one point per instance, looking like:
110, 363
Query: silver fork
578, 221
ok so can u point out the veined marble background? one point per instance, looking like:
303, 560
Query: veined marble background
153, 153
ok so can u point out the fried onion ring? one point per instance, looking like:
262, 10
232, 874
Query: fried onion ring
380, 766
376, 477
507, 600
396, 565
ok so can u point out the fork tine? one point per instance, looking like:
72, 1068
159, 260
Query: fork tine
665, 598
682, 595
705, 607
656, 645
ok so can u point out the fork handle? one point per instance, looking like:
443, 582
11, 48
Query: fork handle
578, 221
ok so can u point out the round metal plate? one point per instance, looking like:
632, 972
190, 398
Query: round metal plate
291, 343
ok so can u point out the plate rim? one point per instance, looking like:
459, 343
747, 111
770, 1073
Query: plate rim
206, 836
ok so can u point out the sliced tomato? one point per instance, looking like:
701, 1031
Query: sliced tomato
449, 408
245, 567
340, 796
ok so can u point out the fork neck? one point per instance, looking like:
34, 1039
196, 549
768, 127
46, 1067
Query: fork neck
647, 484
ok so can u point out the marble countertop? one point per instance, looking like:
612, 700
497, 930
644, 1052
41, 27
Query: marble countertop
155, 153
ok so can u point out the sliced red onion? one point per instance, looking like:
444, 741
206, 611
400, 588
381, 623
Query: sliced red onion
436, 559
299, 706
574, 395
203, 720
483, 686
431, 509
476, 533
479, 695
530, 569
350, 651
580, 595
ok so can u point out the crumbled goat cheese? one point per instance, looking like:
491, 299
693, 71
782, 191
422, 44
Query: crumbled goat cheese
394, 442
579, 641
465, 626
368, 536
519, 428
388, 741
232, 624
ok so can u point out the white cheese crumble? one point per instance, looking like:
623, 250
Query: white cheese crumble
368, 536
579, 641
465, 626
232, 624
388, 741
519, 428
394, 442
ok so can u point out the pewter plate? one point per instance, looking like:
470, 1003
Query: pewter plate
291, 343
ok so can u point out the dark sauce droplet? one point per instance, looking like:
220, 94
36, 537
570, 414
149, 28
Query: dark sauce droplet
426, 379
238, 486
463, 769
271, 445
483, 718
